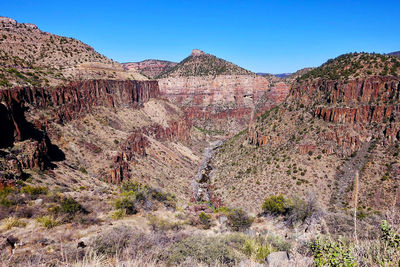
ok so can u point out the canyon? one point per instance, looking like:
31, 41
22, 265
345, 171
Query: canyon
195, 149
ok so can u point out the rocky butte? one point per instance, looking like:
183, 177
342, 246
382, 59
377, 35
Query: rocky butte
218, 94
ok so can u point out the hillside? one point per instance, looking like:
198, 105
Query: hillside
151, 67
202, 64
315, 141
355, 65
29, 56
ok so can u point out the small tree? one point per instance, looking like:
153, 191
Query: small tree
238, 220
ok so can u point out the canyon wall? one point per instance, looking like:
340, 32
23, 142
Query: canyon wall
63, 103
217, 100
356, 111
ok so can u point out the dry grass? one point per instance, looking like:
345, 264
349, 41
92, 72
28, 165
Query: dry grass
11, 222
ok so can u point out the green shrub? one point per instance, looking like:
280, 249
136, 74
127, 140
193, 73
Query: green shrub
389, 235
223, 209
207, 250
160, 224
127, 204
238, 220
205, 220
34, 190
118, 214
11, 222
277, 205
301, 210
257, 249
4, 193
71, 206
48, 221
332, 253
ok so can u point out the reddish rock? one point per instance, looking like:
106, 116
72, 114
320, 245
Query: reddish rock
66, 103
214, 99
78, 98
150, 67
369, 90
306, 148
136, 144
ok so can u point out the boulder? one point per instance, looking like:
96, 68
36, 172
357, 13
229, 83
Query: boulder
278, 259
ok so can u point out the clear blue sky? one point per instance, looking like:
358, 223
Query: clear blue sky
263, 36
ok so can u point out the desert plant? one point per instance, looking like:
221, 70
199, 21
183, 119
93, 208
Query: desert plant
127, 204
303, 210
277, 205
161, 224
48, 221
11, 222
117, 214
205, 220
206, 250
238, 220
71, 206
34, 190
332, 253
257, 249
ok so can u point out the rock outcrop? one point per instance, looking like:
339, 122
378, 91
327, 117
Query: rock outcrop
375, 89
65, 103
76, 99
216, 99
136, 144
357, 110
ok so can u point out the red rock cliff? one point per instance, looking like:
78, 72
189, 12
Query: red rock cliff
65, 103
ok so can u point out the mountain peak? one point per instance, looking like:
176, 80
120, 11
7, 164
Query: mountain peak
197, 52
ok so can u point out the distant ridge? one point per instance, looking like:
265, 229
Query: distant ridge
150, 67
396, 54
202, 64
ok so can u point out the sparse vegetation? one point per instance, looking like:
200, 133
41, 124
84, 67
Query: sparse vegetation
354, 65
48, 221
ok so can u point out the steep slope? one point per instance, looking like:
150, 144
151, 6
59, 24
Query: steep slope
151, 67
218, 95
315, 142
29, 56
126, 133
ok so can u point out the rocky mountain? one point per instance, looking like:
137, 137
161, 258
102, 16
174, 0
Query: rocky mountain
202, 64
315, 142
151, 68
29, 56
218, 95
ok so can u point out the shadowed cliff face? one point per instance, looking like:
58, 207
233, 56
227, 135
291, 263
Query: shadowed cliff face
63, 104
76, 99
138, 135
